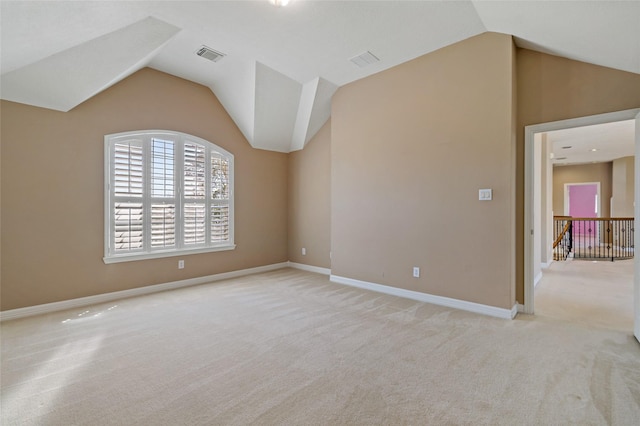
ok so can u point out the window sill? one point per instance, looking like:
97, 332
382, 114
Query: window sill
161, 254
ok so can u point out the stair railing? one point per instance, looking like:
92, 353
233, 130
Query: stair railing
610, 238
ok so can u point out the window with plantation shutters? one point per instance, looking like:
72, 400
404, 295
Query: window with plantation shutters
167, 193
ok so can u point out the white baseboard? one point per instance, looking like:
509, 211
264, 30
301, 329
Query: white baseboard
520, 307
309, 268
108, 297
537, 279
430, 298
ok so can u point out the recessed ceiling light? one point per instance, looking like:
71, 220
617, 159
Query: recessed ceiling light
593, 149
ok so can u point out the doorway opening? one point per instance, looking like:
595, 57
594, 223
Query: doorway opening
537, 224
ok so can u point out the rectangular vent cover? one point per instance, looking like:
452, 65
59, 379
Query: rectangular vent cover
364, 59
210, 54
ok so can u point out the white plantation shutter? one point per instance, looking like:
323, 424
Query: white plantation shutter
194, 224
163, 207
128, 183
219, 177
194, 171
128, 232
219, 197
166, 192
127, 166
219, 223
163, 225
194, 215
162, 168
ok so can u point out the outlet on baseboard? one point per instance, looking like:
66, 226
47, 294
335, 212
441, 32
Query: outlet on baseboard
416, 272
180, 264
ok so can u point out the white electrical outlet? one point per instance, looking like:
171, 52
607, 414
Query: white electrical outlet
416, 272
180, 264
304, 251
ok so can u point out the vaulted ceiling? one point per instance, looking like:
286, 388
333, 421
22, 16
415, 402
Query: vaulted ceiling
282, 65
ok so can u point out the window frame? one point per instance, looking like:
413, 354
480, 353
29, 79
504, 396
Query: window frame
179, 199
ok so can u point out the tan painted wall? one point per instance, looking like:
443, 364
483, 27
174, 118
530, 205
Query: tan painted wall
551, 88
599, 172
310, 201
52, 191
416, 137
623, 187
410, 148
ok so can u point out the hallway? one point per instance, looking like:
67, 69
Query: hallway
598, 294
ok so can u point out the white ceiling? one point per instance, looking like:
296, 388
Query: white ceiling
593, 144
282, 65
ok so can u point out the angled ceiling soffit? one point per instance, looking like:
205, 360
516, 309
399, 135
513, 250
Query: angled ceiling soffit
313, 112
278, 113
66, 79
277, 98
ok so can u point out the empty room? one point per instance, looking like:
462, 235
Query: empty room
306, 212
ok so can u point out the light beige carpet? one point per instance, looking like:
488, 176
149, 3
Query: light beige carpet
597, 294
289, 347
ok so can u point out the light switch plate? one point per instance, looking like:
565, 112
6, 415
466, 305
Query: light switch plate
485, 194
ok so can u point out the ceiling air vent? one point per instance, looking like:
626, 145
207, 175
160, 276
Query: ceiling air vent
364, 59
210, 54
